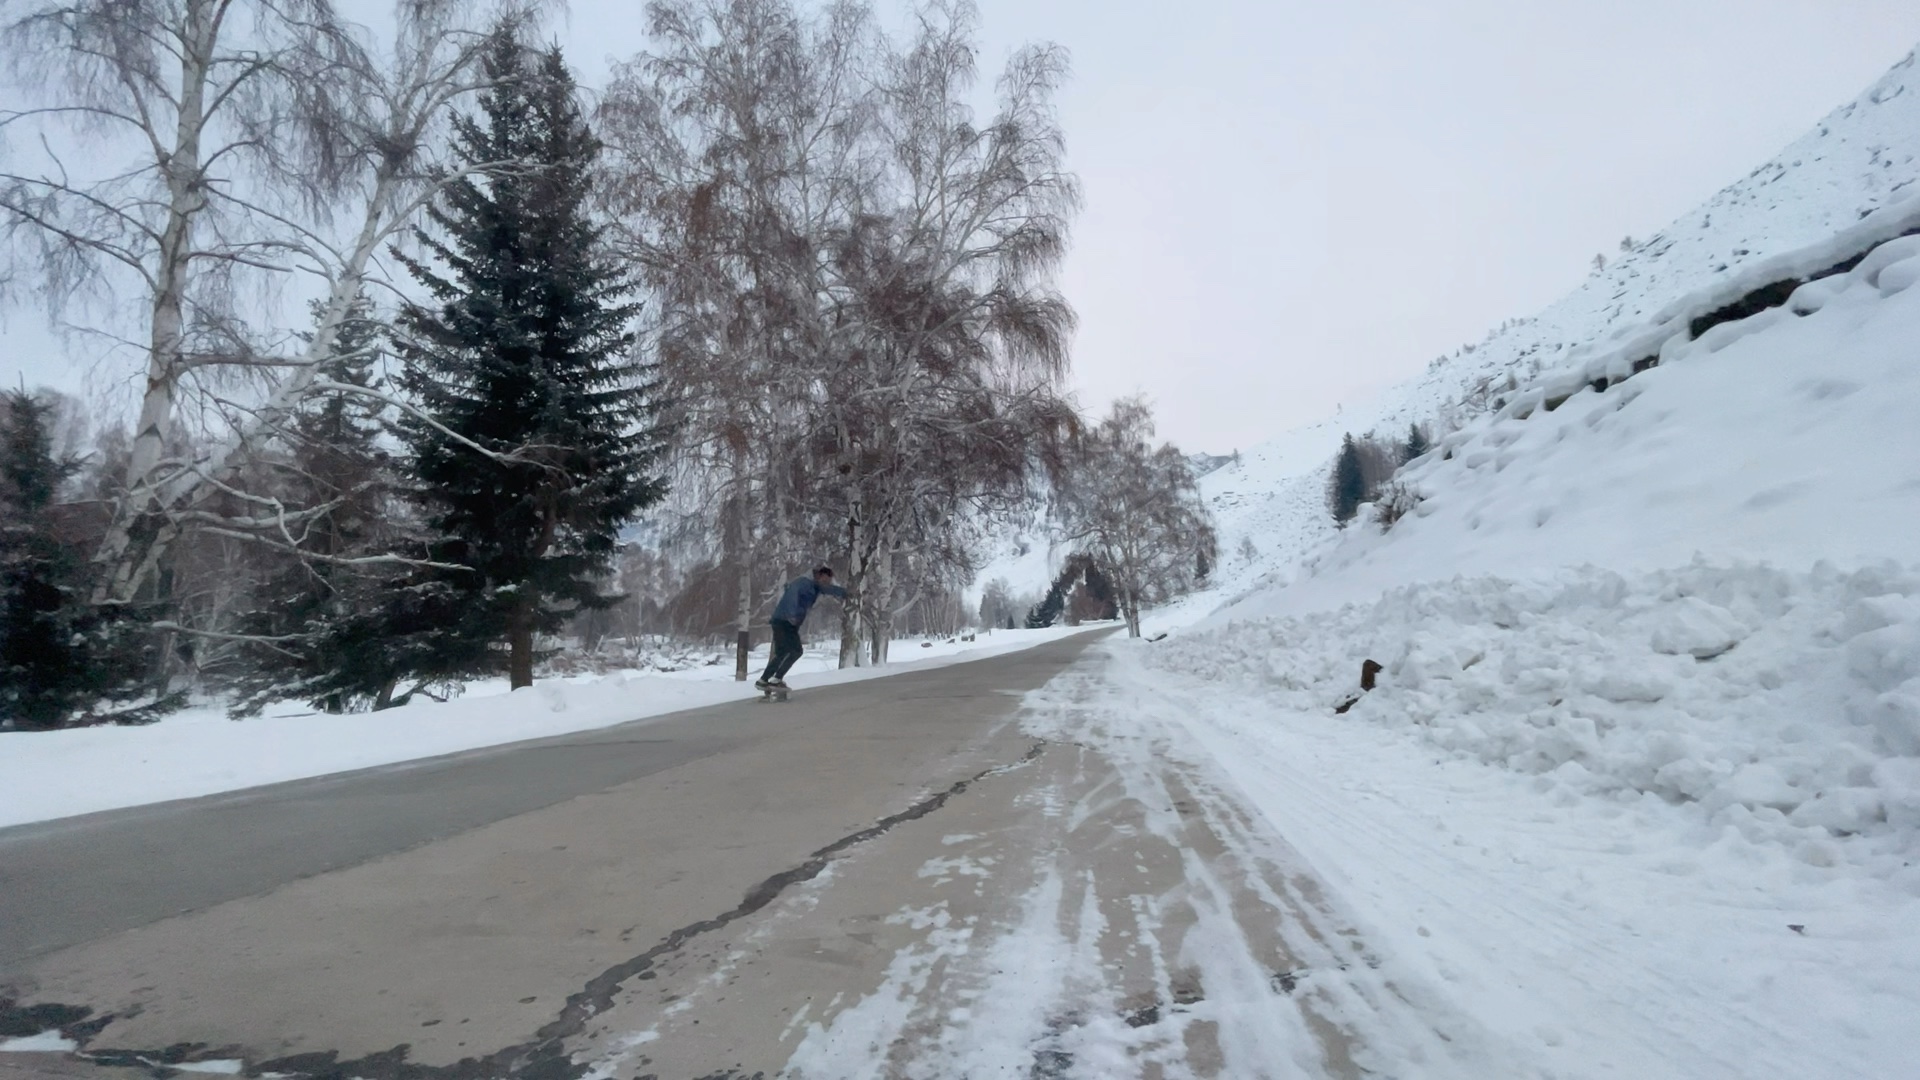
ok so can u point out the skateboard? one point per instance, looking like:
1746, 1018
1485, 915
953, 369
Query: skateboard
774, 693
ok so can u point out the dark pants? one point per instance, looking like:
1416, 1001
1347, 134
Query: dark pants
786, 649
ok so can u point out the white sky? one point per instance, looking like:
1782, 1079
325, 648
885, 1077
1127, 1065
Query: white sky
1293, 205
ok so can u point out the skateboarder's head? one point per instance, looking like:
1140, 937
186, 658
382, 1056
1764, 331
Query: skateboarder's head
823, 575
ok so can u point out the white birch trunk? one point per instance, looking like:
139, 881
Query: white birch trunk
743, 629
129, 570
881, 602
851, 654
167, 320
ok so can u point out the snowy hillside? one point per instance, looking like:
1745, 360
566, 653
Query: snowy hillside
1861, 158
1649, 644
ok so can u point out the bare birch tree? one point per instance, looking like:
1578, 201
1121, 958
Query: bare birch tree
733, 146
944, 397
853, 285
205, 95
1136, 510
250, 145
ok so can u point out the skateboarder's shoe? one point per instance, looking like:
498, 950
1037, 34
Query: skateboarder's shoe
761, 684
777, 683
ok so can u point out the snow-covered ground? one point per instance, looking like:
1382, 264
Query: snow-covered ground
1368, 895
1782, 704
1639, 788
1550, 926
45, 775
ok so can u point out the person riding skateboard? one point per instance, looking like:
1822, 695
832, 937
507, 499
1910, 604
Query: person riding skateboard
788, 614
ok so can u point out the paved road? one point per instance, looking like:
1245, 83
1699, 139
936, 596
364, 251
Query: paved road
929, 875
263, 888
70, 881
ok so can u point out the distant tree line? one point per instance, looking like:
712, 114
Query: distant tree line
1364, 467
1079, 593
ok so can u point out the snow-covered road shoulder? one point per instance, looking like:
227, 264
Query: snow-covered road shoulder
47, 775
1785, 706
1504, 850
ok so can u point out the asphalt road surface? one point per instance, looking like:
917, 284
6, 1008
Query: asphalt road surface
736, 891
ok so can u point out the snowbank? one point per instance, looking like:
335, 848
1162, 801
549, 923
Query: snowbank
1783, 705
45, 775
1590, 937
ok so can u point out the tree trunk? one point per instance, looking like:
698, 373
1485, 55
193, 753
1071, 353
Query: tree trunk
880, 602
743, 627
850, 611
849, 637
520, 641
166, 331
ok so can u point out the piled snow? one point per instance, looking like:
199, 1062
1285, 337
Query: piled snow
54, 774
1862, 159
1785, 705
1598, 937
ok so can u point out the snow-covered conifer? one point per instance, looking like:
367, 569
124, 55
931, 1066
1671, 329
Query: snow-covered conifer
537, 441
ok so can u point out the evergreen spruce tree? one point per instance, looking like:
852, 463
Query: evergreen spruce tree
1046, 612
1417, 443
1052, 605
46, 669
314, 612
525, 353
1100, 589
338, 457
1347, 488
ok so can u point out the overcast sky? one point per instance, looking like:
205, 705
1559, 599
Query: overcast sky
1293, 205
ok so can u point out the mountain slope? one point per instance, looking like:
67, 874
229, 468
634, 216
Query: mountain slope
1863, 158
1637, 783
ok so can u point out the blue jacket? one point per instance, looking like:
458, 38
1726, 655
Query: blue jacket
799, 597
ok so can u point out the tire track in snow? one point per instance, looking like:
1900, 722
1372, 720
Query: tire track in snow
1164, 931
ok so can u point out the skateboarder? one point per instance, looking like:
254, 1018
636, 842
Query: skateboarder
788, 614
